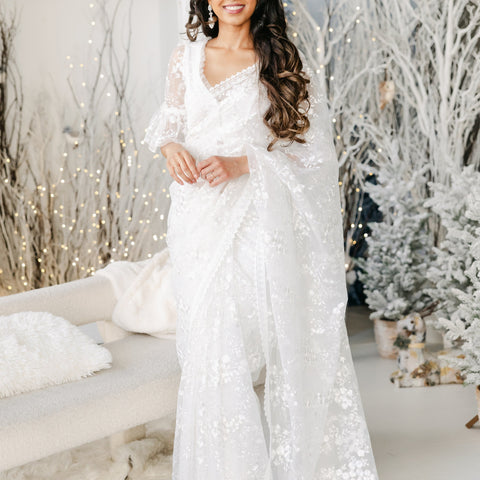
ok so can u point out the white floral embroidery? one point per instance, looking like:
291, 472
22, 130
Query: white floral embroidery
260, 284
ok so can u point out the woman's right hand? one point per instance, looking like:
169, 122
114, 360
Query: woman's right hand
180, 164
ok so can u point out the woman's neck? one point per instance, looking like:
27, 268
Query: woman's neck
232, 37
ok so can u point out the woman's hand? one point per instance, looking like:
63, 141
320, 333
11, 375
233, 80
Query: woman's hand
180, 163
217, 169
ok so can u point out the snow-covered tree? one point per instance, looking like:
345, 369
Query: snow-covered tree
448, 272
464, 323
394, 272
429, 100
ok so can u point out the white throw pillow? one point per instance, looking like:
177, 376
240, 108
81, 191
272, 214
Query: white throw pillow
38, 349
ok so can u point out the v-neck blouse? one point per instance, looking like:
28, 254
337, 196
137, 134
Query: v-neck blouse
205, 118
234, 76
222, 117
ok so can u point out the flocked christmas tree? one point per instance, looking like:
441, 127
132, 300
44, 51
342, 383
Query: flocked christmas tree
429, 101
464, 323
394, 272
448, 272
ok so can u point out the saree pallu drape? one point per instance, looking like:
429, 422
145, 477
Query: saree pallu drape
258, 274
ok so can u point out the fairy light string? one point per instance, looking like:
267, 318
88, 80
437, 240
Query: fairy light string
87, 243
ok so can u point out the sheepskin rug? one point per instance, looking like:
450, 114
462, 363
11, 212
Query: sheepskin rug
146, 459
39, 349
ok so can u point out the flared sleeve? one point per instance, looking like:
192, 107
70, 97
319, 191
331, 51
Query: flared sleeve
168, 122
312, 402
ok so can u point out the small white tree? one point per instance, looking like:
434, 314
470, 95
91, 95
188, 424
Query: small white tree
465, 322
394, 272
448, 272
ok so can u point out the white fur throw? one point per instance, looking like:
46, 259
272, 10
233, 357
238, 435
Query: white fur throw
145, 296
38, 349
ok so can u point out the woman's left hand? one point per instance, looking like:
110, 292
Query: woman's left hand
218, 169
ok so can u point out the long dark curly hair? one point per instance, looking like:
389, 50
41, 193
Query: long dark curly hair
280, 66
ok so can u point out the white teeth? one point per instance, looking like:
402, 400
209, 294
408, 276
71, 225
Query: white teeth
234, 7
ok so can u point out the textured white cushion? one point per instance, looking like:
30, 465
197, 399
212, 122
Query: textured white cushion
38, 349
141, 386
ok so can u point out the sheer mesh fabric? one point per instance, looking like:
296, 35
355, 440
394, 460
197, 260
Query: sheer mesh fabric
259, 279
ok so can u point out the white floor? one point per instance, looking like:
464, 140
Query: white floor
417, 433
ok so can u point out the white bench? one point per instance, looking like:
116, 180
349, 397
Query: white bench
141, 385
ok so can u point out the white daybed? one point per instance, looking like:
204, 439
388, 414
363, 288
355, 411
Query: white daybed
141, 385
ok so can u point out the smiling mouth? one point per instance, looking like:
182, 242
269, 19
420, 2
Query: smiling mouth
233, 8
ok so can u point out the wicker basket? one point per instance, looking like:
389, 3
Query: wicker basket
385, 332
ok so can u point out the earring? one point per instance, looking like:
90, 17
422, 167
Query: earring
210, 18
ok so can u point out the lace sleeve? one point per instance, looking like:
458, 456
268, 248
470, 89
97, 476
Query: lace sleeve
168, 122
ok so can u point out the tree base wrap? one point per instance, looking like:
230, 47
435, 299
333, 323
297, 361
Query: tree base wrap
385, 332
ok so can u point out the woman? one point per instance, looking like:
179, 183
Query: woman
255, 240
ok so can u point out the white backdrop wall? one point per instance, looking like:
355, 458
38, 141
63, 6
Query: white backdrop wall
51, 30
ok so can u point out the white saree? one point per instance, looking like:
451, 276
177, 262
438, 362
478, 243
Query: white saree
259, 281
